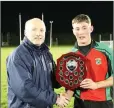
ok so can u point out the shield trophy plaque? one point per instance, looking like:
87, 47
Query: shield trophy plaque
71, 70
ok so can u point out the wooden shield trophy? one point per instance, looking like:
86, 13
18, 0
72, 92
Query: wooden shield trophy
71, 70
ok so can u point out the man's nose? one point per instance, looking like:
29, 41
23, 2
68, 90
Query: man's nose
38, 33
80, 32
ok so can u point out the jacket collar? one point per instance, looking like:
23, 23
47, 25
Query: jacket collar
29, 44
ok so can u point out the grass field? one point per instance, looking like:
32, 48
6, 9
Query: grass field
5, 51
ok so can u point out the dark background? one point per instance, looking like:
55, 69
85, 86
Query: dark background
60, 12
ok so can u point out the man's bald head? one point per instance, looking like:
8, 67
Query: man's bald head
33, 22
35, 31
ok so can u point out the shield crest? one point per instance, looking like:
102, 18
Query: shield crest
71, 65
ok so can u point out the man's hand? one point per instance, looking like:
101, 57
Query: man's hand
62, 101
89, 84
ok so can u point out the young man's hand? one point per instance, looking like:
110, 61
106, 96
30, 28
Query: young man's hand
69, 94
88, 84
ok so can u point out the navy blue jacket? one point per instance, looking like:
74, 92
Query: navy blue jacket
31, 78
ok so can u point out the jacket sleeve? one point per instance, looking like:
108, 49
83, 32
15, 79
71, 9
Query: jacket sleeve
54, 81
22, 85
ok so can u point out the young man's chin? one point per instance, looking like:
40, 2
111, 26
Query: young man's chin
82, 43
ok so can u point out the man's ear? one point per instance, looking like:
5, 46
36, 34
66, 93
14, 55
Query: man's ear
92, 28
24, 33
73, 31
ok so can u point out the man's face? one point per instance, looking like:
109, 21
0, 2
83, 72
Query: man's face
35, 31
82, 31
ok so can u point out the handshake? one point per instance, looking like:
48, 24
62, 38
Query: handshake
64, 98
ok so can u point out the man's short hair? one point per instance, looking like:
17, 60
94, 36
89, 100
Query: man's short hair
81, 18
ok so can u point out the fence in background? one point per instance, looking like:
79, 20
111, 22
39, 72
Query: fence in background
11, 39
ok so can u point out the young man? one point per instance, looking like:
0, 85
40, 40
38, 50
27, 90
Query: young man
95, 92
30, 70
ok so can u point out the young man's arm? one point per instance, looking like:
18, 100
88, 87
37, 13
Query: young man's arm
90, 84
69, 94
106, 83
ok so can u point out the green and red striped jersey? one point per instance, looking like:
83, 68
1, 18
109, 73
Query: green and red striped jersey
99, 60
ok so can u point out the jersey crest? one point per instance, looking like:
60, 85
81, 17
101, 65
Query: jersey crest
98, 61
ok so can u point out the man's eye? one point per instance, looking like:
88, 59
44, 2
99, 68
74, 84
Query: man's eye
77, 29
34, 29
42, 30
84, 28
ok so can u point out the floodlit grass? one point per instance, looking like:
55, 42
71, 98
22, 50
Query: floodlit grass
57, 51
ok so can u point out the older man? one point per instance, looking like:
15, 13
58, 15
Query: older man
30, 71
